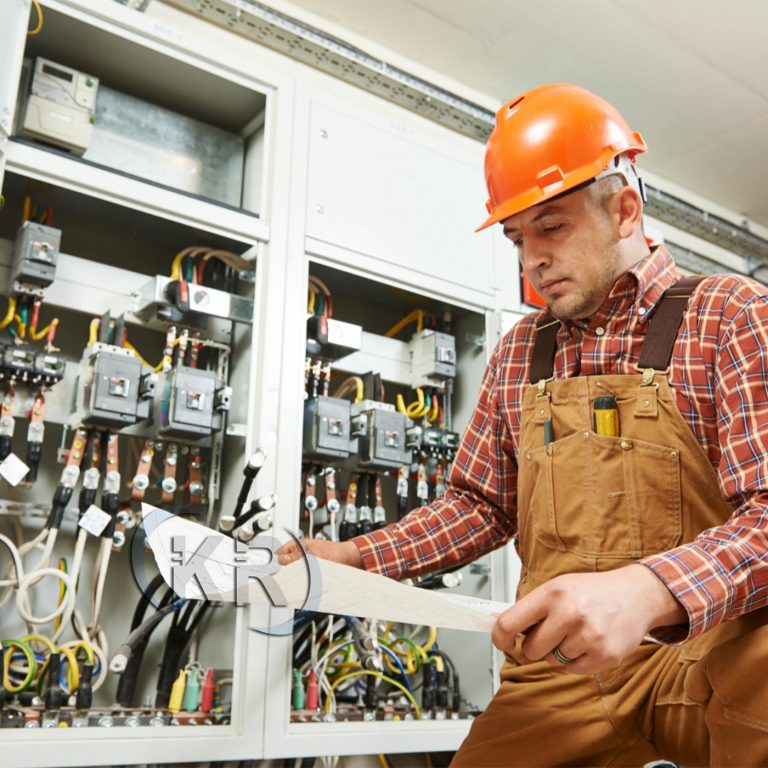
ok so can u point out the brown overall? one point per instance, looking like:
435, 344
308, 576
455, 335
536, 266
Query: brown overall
588, 502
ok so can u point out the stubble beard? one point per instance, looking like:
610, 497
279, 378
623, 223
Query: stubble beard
582, 301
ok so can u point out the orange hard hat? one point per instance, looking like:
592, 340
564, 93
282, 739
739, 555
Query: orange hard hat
548, 141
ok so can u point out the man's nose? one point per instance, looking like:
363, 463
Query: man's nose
533, 256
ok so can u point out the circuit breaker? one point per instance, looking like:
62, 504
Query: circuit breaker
433, 358
114, 389
381, 435
35, 254
326, 428
192, 403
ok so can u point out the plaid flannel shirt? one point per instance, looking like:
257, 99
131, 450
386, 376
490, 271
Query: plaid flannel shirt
719, 373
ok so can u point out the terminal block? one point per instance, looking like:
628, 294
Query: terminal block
114, 389
192, 403
35, 254
433, 442
381, 435
30, 366
326, 428
433, 358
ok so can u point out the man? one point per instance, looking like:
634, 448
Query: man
637, 631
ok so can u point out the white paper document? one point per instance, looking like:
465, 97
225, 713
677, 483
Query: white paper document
198, 563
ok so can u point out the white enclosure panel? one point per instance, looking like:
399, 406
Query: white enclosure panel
380, 189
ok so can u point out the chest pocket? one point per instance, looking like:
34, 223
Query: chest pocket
600, 497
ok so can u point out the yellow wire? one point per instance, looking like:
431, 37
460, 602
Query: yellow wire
192, 250
431, 639
419, 408
77, 645
428, 760
311, 300
401, 405
93, 330
9, 315
73, 671
368, 673
44, 332
417, 315
39, 26
62, 566
31, 666
383, 761
49, 644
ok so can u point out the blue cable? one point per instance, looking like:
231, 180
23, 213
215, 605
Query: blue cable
399, 666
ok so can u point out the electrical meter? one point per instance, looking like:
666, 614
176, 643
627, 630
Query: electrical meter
60, 105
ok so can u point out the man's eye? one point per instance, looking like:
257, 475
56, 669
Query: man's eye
552, 228
518, 243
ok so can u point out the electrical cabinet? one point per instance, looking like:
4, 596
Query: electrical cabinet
173, 244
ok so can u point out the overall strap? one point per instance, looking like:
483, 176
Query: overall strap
657, 348
664, 324
543, 358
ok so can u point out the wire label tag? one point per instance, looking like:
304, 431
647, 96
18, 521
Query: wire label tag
13, 469
94, 520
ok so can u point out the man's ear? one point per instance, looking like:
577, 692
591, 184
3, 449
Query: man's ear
629, 207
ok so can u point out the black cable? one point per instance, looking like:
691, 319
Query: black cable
179, 635
126, 686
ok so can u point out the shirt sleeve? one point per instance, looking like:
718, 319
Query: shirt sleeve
477, 512
723, 573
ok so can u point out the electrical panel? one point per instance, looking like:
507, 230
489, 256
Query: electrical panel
125, 377
146, 354
377, 443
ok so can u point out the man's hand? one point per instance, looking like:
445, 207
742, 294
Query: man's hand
344, 552
596, 619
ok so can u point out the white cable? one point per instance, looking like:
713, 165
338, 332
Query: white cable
64, 609
21, 550
16, 558
100, 578
77, 558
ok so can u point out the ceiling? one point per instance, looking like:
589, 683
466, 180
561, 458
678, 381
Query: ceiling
690, 75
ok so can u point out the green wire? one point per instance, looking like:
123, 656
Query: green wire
31, 665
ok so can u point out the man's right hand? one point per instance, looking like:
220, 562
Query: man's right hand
344, 552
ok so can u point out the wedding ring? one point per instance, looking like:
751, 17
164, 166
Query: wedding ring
561, 657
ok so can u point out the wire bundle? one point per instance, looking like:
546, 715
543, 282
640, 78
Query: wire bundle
333, 663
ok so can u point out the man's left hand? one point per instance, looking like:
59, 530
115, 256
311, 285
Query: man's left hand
593, 620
